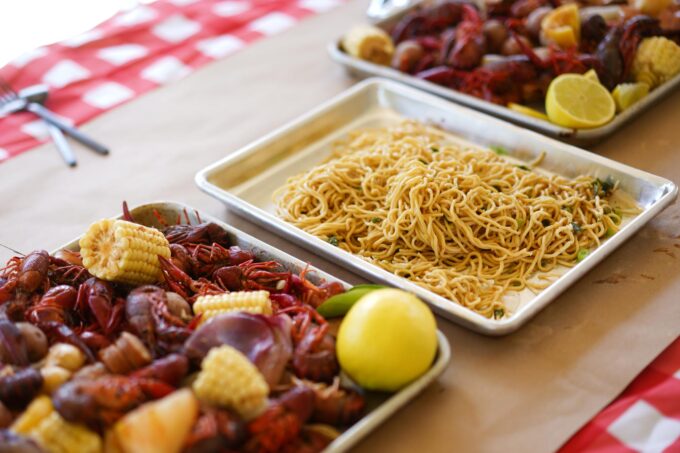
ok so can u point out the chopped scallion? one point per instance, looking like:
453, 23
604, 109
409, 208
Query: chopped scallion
501, 151
581, 254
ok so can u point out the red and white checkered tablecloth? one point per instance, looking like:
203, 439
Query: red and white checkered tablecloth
644, 418
137, 51
151, 45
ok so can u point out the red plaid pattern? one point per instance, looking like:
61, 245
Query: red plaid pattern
137, 51
644, 418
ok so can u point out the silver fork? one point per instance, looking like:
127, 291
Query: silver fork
17, 103
11, 102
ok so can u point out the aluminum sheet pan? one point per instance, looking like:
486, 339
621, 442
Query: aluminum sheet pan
362, 68
246, 180
380, 406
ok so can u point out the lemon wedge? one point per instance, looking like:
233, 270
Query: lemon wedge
592, 75
627, 94
387, 339
523, 109
562, 26
575, 101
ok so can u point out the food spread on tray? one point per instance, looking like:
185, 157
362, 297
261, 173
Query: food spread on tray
177, 340
580, 63
464, 222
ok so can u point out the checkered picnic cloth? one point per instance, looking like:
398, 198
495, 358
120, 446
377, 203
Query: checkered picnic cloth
644, 418
137, 51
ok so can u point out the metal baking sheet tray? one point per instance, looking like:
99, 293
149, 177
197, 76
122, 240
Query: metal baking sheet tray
380, 406
362, 68
246, 180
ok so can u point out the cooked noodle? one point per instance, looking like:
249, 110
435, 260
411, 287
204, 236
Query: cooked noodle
464, 223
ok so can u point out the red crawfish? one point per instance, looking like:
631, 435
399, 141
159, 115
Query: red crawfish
25, 275
207, 258
147, 313
170, 369
204, 233
100, 402
281, 422
314, 348
181, 283
333, 404
54, 305
215, 430
96, 298
311, 294
252, 276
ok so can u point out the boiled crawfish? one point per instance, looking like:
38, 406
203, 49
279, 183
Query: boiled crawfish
281, 422
25, 275
314, 352
146, 311
251, 276
215, 430
99, 403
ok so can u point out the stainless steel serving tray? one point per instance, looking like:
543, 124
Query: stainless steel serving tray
380, 406
362, 68
245, 180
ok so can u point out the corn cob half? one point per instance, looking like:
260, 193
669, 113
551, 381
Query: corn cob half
369, 43
657, 59
257, 302
229, 379
56, 435
121, 251
39, 409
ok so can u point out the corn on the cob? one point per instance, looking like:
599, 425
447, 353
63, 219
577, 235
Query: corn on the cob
229, 379
657, 59
56, 435
369, 43
250, 301
121, 251
39, 409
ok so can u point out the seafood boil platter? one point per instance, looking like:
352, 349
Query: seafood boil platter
112, 369
266, 164
501, 58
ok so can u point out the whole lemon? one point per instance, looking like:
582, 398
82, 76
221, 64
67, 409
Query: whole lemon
387, 339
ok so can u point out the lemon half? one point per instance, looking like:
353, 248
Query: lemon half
576, 101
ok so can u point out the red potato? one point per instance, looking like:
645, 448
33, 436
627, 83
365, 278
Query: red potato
149, 428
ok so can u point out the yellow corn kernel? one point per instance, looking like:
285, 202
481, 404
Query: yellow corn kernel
66, 356
369, 43
39, 409
229, 379
121, 251
257, 302
56, 435
53, 377
656, 61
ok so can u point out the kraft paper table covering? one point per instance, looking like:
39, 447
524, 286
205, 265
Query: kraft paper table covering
528, 391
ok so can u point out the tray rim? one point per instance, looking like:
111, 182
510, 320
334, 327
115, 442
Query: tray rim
381, 413
451, 310
580, 136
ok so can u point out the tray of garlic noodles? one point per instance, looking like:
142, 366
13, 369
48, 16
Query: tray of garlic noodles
486, 221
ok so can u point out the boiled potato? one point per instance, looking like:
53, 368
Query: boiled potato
157, 427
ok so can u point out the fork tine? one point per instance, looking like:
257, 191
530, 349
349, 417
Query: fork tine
7, 93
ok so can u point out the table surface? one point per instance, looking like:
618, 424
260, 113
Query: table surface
528, 391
